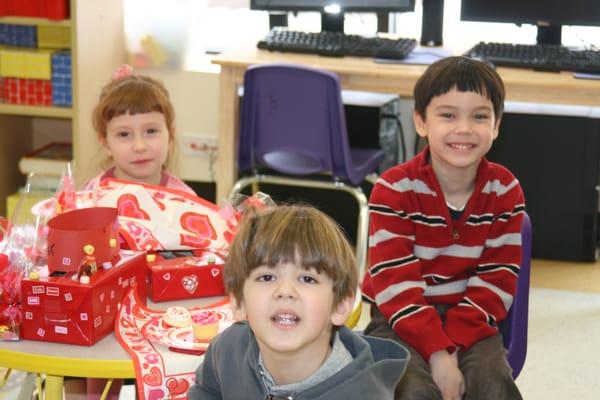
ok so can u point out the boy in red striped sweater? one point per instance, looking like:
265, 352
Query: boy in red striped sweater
445, 241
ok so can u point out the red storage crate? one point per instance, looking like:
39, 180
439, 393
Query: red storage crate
59, 309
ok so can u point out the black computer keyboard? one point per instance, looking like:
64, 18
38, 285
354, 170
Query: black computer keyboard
540, 57
336, 44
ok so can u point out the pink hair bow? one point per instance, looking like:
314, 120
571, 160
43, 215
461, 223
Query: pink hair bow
123, 71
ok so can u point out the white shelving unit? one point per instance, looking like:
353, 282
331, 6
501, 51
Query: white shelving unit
97, 48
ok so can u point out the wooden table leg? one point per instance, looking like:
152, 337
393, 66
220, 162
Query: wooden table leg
106, 389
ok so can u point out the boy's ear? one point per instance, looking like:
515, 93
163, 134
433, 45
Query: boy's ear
239, 311
497, 127
420, 125
342, 311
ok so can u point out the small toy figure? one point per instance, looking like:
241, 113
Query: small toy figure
88, 265
89, 258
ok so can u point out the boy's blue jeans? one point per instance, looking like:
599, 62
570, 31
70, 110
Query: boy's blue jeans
484, 367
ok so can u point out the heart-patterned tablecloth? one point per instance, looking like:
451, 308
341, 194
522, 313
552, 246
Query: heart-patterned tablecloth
160, 372
158, 218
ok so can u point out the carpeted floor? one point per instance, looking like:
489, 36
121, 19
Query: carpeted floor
563, 352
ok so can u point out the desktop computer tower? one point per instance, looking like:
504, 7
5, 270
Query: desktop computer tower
432, 25
557, 161
372, 121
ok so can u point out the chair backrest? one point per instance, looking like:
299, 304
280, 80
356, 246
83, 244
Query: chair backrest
293, 122
514, 327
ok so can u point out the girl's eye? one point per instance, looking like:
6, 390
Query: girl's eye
152, 131
447, 115
482, 116
265, 278
122, 134
308, 279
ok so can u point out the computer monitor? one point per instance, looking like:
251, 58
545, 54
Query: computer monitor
547, 15
329, 21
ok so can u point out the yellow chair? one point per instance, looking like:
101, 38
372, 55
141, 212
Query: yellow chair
356, 312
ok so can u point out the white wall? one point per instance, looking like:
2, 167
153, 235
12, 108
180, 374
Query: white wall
195, 94
195, 97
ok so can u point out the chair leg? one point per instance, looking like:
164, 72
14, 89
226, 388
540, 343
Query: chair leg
241, 184
362, 234
6, 375
27, 387
53, 387
372, 178
104, 394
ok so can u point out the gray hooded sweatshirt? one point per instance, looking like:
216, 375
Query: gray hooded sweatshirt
230, 370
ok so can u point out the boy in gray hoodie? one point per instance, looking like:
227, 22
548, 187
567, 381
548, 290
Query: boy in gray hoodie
292, 279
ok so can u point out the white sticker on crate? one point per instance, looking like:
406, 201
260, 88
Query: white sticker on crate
52, 291
63, 330
33, 300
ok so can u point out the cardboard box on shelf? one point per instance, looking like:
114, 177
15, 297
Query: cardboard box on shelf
18, 35
30, 64
34, 92
51, 9
33, 197
54, 37
51, 159
62, 79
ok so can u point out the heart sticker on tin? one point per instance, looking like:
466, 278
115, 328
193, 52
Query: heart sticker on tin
190, 283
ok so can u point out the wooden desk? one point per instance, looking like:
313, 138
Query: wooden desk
364, 74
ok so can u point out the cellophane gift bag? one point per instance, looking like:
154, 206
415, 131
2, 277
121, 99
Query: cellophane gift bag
22, 249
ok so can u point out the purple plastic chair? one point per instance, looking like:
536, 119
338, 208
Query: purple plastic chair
293, 123
514, 327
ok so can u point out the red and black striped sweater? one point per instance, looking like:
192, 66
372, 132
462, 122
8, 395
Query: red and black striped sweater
419, 256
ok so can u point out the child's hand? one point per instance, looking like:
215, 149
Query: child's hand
447, 375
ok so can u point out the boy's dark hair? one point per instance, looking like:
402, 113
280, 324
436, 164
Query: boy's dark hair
291, 234
463, 74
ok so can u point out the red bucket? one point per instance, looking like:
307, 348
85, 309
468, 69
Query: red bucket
69, 232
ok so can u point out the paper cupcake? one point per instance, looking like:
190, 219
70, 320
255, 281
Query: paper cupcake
205, 325
177, 316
